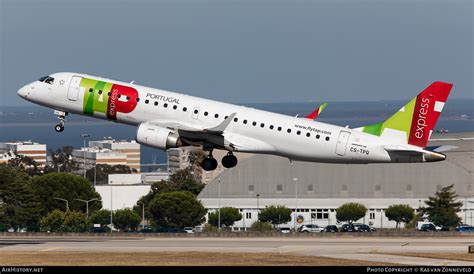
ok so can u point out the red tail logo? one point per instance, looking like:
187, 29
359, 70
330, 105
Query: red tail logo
428, 107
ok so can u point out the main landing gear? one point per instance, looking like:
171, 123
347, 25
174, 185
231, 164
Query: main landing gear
210, 163
62, 119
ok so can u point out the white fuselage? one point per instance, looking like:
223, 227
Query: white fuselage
264, 132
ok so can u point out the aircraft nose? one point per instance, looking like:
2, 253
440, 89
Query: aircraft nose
22, 92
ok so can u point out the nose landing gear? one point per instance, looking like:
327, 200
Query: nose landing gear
62, 118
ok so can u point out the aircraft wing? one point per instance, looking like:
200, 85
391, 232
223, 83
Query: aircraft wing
219, 129
213, 136
313, 115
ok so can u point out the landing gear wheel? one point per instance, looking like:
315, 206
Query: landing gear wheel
62, 119
229, 161
209, 163
59, 128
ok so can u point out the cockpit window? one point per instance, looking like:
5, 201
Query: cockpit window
47, 79
43, 78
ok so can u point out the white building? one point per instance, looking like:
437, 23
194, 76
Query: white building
109, 152
121, 196
130, 148
33, 150
137, 179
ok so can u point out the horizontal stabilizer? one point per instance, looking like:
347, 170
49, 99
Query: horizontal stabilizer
441, 148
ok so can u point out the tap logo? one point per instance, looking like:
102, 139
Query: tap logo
102, 98
421, 121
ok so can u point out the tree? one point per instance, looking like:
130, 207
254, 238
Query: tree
400, 213
101, 217
26, 163
350, 212
62, 160
66, 186
275, 215
229, 215
261, 226
19, 205
102, 172
442, 208
182, 180
177, 209
53, 221
74, 221
59, 221
126, 219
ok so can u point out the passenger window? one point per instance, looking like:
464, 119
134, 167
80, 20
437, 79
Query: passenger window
254, 123
196, 111
185, 108
216, 115
317, 136
245, 121
138, 99
288, 130
165, 105
298, 132
262, 125
156, 103
147, 101
128, 98
235, 119
308, 134
206, 113
175, 107
110, 93
91, 90
225, 117
327, 138
271, 126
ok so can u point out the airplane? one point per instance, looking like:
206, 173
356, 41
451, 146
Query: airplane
167, 119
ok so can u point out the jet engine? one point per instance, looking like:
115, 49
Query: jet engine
158, 137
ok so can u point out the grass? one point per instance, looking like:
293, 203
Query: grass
56, 258
444, 256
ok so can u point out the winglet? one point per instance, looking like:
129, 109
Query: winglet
222, 126
316, 112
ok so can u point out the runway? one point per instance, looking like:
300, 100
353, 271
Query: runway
360, 248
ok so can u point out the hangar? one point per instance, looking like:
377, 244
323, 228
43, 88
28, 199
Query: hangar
314, 190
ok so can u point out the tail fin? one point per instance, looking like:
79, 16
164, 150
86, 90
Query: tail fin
415, 121
316, 112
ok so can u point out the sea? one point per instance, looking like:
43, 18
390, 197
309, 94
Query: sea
36, 123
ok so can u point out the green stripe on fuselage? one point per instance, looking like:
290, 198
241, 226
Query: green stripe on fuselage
92, 100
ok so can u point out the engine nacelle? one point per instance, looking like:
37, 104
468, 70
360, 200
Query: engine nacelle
156, 136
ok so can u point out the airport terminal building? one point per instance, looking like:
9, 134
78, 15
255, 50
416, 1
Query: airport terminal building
315, 190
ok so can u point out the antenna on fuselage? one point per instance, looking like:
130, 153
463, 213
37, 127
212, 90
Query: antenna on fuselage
132, 82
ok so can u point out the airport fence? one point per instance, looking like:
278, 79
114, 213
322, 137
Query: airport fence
383, 234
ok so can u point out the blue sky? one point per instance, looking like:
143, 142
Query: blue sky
244, 51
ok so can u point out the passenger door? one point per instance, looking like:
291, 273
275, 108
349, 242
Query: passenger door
73, 92
342, 143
